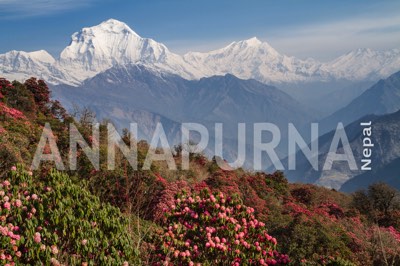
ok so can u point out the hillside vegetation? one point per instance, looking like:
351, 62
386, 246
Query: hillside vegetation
201, 216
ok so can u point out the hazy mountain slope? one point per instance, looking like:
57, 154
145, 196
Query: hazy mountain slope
315, 94
228, 98
124, 90
385, 136
389, 174
126, 95
214, 99
381, 98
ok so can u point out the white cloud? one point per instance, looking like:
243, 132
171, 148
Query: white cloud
325, 41
24, 8
321, 41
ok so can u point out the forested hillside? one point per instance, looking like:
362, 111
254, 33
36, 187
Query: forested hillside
201, 216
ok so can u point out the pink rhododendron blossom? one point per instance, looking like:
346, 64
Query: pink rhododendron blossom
18, 203
7, 205
37, 238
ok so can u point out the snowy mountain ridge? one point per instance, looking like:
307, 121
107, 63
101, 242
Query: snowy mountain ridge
112, 43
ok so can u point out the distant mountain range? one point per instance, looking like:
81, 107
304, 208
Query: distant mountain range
112, 43
134, 93
385, 156
381, 98
388, 173
127, 78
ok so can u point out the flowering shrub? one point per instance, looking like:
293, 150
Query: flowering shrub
166, 196
394, 232
303, 194
5, 86
53, 220
214, 229
11, 112
40, 91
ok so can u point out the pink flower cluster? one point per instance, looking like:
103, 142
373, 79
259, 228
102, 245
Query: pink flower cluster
297, 209
215, 229
330, 210
10, 232
11, 112
12, 203
166, 197
37, 237
394, 233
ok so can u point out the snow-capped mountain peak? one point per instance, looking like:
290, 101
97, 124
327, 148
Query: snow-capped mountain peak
96, 49
115, 26
111, 43
365, 63
20, 65
42, 56
254, 40
38, 56
251, 42
261, 45
252, 58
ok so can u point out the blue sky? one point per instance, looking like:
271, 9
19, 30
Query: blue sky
318, 29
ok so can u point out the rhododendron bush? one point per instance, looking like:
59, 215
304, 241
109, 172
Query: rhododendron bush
5, 111
53, 220
11, 112
5, 85
214, 230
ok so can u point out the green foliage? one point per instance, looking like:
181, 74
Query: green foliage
40, 92
311, 239
56, 220
277, 182
380, 203
22, 99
